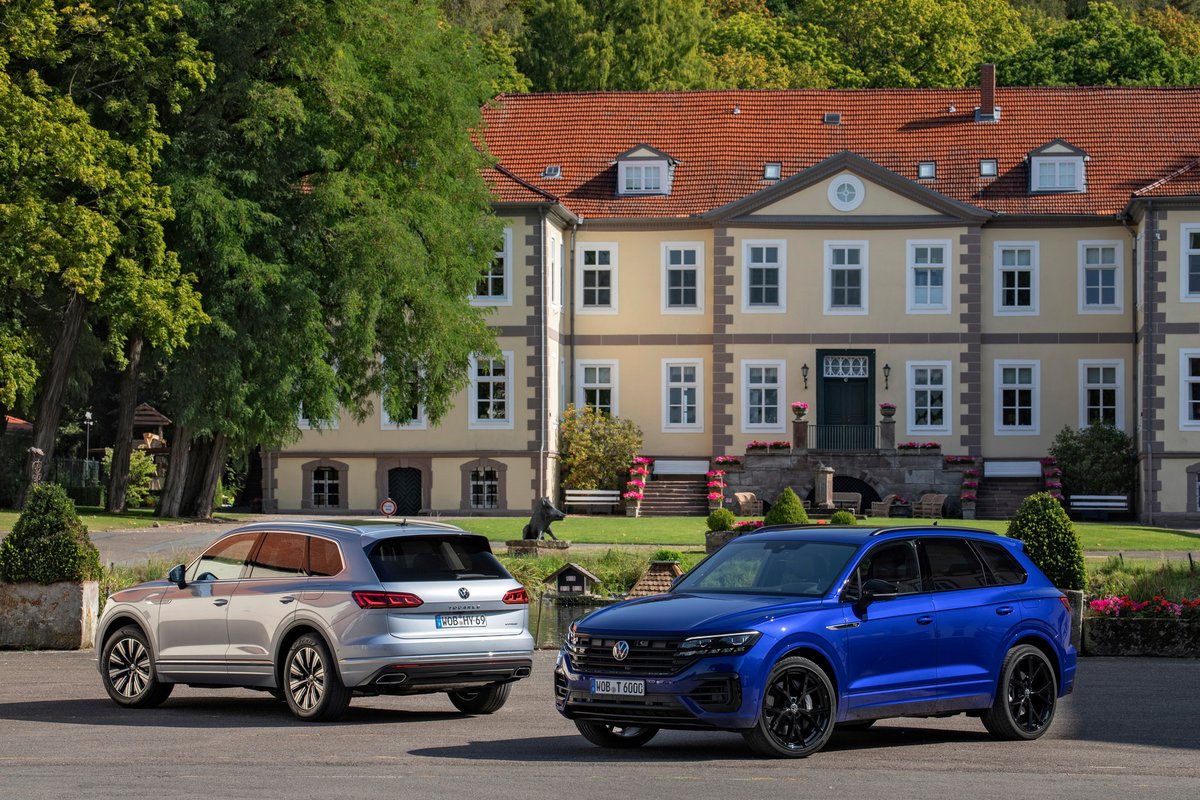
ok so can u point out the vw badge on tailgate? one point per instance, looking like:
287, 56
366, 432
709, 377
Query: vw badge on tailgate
463, 593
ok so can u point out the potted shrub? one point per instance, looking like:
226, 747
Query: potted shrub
720, 529
49, 576
1052, 543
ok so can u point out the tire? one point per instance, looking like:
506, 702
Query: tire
311, 685
798, 710
128, 674
1026, 696
855, 726
485, 700
620, 737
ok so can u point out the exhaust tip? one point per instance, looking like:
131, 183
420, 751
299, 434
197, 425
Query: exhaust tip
521, 672
392, 678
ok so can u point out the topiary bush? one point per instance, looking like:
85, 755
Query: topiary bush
721, 520
843, 517
1050, 540
667, 555
48, 543
788, 510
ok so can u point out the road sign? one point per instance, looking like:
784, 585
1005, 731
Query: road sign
387, 507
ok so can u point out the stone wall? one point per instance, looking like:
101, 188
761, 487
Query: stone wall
60, 616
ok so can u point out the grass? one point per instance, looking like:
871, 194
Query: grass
1142, 581
97, 519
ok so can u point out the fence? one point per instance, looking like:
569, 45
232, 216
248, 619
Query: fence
843, 437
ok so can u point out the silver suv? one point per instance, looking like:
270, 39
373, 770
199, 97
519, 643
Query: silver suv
316, 612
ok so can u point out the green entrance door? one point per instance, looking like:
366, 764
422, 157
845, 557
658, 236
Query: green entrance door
846, 394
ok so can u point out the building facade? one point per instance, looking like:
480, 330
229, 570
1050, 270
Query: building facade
996, 263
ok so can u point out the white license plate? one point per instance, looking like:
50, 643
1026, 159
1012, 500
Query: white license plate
618, 687
461, 621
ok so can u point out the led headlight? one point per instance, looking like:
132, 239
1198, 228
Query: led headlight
722, 644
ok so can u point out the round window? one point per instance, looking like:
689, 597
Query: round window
846, 193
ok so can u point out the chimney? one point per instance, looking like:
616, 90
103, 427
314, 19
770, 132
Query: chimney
987, 94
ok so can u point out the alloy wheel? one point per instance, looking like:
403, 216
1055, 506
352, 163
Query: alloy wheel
129, 667
306, 678
1031, 693
796, 709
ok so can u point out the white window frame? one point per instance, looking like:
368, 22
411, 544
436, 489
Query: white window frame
668, 427
1084, 364
555, 268
1035, 178
580, 385
947, 426
484, 470
1118, 270
910, 294
1185, 383
781, 306
584, 247
781, 404
863, 267
624, 177
1184, 235
999, 309
860, 192
505, 252
306, 423
386, 423
667, 247
473, 421
1035, 428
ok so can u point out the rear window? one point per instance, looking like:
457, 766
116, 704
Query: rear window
1006, 569
953, 565
434, 558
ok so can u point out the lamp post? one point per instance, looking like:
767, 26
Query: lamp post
87, 426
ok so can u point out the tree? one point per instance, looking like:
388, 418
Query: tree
759, 51
788, 510
1179, 31
595, 449
1050, 540
330, 200
1098, 459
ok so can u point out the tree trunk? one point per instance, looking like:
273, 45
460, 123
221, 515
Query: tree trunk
211, 476
177, 471
197, 463
118, 480
54, 384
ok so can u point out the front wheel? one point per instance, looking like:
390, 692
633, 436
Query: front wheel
1026, 696
798, 710
606, 734
311, 684
129, 675
487, 700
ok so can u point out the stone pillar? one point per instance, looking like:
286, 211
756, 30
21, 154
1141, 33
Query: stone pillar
887, 434
822, 486
800, 435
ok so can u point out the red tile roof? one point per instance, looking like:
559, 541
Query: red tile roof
1135, 137
656, 579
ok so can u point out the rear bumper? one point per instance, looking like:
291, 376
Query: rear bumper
434, 673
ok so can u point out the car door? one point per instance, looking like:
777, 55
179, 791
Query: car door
974, 617
193, 634
264, 602
891, 663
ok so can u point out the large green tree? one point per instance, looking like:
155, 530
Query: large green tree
330, 199
757, 50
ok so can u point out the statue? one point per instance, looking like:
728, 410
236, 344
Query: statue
544, 513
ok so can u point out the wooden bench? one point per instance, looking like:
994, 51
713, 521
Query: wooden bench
1099, 505
592, 497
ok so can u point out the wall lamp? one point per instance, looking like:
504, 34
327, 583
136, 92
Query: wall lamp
887, 373
804, 372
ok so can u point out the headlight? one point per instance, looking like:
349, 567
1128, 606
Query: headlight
722, 644
572, 636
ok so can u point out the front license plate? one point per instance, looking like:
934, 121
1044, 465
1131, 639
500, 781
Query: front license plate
618, 687
461, 621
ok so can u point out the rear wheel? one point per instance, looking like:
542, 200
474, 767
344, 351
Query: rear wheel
311, 684
607, 734
798, 709
1026, 696
486, 700
129, 676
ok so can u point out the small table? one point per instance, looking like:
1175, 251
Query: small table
900, 510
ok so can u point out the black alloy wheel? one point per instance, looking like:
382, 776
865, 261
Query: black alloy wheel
798, 710
1026, 697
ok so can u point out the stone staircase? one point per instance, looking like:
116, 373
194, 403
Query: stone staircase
679, 498
999, 498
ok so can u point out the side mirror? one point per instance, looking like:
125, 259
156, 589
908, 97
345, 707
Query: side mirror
873, 591
175, 576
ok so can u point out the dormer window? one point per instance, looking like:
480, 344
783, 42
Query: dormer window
644, 170
1057, 167
552, 172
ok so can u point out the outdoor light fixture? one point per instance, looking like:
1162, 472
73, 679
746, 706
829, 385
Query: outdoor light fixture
887, 373
804, 372
87, 424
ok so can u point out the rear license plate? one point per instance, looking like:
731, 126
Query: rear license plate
461, 621
619, 688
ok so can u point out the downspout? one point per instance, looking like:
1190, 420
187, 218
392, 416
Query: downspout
1152, 231
544, 432
569, 301
1133, 323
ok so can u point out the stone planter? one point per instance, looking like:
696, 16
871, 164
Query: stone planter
713, 505
633, 508
887, 413
1114, 636
968, 509
58, 616
715, 540
535, 548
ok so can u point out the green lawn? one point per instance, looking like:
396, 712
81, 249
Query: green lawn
97, 519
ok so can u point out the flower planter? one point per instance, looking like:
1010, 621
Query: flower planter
1117, 636
887, 413
633, 509
715, 540
57, 616
968, 509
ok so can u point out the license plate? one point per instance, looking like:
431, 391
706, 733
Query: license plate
461, 621
618, 687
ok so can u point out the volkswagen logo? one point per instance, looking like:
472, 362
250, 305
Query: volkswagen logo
621, 650
463, 593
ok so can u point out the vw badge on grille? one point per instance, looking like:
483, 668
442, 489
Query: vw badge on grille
621, 650
463, 593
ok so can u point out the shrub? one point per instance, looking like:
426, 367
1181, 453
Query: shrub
141, 473
721, 520
1050, 540
48, 543
595, 448
667, 555
843, 517
787, 510
1098, 459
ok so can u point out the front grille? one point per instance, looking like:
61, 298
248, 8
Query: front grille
594, 655
663, 709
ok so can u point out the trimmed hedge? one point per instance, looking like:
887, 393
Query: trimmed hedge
788, 510
843, 517
721, 519
48, 543
1050, 540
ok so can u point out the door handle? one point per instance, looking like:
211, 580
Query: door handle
1004, 610
220, 601
924, 620
287, 599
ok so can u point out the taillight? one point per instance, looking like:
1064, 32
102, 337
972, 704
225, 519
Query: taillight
517, 597
1066, 604
386, 600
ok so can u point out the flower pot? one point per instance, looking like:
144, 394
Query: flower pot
57, 616
968, 509
633, 509
887, 413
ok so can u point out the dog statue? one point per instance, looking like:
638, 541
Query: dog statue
544, 513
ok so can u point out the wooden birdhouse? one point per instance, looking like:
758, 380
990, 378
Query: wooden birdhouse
572, 579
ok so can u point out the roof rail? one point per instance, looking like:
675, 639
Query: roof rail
925, 528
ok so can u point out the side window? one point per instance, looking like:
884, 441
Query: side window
324, 558
224, 560
953, 565
895, 564
281, 556
1005, 569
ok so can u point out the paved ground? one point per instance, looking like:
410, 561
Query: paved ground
1129, 731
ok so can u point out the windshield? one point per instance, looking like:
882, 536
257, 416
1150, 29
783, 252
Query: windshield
770, 567
434, 558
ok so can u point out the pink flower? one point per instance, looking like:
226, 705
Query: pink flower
799, 406
632, 495
715, 496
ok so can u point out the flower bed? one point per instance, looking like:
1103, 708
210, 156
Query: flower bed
1121, 626
760, 446
918, 446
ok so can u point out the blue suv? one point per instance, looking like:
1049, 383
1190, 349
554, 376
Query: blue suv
786, 634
